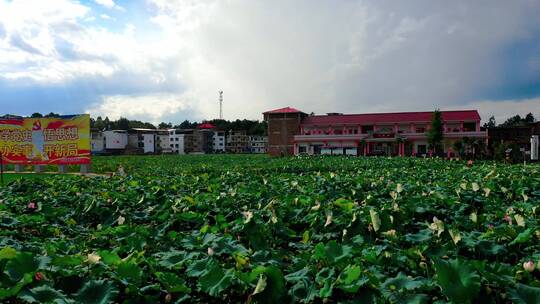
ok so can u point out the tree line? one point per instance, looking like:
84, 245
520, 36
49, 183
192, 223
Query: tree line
514, 121
252, 127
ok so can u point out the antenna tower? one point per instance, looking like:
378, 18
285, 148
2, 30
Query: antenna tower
220, 104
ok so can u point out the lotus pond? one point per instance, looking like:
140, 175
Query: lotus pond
237, 229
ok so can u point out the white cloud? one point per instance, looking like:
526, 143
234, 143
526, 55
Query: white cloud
105, 17
153, 107
109, 4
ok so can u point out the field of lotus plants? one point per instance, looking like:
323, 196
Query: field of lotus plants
254, 229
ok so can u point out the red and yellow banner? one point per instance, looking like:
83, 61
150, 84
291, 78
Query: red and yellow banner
44, 141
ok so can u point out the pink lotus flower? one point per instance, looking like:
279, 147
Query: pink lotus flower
470, 162
31, 205
529, 266
508, 219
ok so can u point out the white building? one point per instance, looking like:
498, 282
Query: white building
115, 139
218, 139
258, 144
176, 141
142, 140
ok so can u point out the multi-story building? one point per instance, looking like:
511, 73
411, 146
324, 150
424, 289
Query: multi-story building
204, 138
283, 125
141, 141
182, 141
163, 141
258, 144
218, 141
191, 141
237, 142
115, 141
294, 132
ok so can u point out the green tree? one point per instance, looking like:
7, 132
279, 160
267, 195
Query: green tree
529, 118
491, 123
457, 146
52, 114
435, 134
165, 125
513, 121
36, 115
122, 124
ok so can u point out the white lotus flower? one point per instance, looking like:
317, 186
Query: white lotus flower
93, 258
121, 220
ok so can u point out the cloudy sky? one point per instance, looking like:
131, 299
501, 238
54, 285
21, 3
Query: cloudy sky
166, 60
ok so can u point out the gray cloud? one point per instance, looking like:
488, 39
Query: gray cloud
2, 31
353, 56
18, 41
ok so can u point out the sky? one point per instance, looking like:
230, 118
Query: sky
166, 60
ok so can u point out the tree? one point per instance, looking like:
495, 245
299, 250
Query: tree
435, 133
491, 123
122, 124
186, 124
457, 146
164, 125
529, 118
36, 115
52, 114
513, 121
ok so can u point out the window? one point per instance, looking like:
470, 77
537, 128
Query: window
420, 130
367, 129
469, 127
422, 149
338, 131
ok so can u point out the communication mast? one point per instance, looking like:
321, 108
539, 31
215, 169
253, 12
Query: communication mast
220, 104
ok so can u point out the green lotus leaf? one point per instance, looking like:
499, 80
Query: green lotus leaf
96, 292
44, 294
215, 280
24, 263
457, 280
7, 253
130, 272
524, 294
172, 282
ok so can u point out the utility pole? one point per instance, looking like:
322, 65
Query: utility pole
220, 104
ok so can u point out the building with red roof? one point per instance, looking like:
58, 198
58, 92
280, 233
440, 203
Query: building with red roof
292, 131
206, 126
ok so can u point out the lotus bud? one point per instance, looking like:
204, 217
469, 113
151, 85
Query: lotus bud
529, 266
31, 205
508, 219
39, 276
